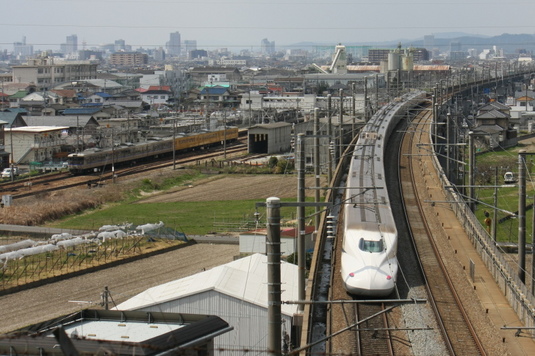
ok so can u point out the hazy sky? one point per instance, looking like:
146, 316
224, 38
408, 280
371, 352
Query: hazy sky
241, 23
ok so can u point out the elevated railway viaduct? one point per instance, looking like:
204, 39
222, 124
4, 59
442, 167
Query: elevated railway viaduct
316, 334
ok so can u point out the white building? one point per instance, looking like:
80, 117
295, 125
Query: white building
237, 292
46, 72
34, 143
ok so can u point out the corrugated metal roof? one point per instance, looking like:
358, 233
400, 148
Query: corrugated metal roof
81, 111
244, 279
37, 129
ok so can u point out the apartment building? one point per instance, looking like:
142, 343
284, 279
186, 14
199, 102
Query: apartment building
128, 59
46, 72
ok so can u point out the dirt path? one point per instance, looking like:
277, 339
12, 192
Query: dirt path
246, 187
56, 299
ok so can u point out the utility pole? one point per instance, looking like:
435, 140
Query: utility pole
330, 135
77, 134
448, 156
365, 100
301, 228
522, 215
225, 134
341, 123
273, 250
317, 165
471, 170
533, 249
174, 144
495, 211
353, 108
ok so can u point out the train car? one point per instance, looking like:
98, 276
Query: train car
96, 159
369, 264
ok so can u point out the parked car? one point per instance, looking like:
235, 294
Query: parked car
6, 173
509, 178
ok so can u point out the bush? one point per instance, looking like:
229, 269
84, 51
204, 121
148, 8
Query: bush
284, 166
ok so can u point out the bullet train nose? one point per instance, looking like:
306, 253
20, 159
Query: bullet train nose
370, 282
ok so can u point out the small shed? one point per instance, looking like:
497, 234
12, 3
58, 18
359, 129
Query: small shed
237, 292
255, 241
270, 138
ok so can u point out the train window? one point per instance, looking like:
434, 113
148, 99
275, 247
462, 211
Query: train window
371, 245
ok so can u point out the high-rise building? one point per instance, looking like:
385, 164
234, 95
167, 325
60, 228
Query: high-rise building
159, 54
455, 46
72, 44
21, 49
173, 46
190, 45
267, 47
120, 45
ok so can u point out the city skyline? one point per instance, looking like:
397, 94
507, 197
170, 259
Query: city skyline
243, 24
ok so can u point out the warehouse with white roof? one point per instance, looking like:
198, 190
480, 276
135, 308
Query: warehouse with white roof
237, 292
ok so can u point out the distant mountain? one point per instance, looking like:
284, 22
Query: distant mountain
511, 43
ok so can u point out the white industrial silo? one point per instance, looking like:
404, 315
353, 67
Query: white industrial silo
394, 61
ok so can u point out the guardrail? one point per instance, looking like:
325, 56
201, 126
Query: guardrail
516, 292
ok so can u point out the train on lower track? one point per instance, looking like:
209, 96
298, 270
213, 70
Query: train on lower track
92, 160
369, 265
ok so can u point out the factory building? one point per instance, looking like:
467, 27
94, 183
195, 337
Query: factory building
236, 292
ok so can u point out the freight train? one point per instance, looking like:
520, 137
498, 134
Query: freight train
96, 159
369, 264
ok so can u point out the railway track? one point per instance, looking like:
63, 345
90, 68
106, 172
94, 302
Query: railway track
372, 334
64, 180
459, 334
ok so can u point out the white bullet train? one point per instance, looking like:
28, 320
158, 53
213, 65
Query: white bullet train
369, 264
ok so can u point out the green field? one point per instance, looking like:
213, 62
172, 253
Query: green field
192, 218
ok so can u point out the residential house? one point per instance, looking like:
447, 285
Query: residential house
95, 111
36, 102
156, 95
493, 124
66, 96
12, 118
15, 99
199, 75
218, 97
125, 129
97, 98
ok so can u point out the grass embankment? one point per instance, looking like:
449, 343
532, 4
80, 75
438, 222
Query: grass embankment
507, 197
